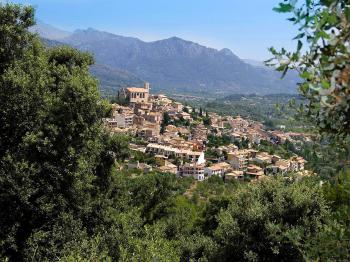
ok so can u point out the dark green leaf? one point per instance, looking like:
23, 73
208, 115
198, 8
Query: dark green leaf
283, 8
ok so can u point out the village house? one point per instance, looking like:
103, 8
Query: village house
190, 155
154, 117
239, 124
254, 172
218, 169
239, 159
171, 131
281, 166
140, 166
275, 159
139, 121
183, 130
142, 108
178, 107
237, 136
118, 109
137, 148
149, 134
110, 123
256, 125
297, 163
192, 170
277, 137
254, 137
184, 115
228, 149
262, 158
200, 132
168, 168
234, 175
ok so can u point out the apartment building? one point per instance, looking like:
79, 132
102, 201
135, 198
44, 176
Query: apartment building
192, 170
124, 120
168, 151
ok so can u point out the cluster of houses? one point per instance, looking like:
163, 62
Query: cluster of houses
180, 149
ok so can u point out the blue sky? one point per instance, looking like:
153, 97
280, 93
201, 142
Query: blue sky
247, 27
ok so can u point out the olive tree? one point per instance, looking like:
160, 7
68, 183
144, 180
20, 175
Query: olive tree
322, 58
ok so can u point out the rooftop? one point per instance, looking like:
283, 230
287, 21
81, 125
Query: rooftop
137, 90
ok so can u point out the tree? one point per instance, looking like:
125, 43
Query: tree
52, 142
165, 122
270, 221
325, 65
14, 36
207, 120
334, 242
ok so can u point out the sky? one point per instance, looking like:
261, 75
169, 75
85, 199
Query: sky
247, 27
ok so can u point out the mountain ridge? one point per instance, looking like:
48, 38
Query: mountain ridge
48, 31
177, 65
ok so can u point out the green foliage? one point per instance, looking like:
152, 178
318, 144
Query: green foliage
324, 66
325, 157
143, 158
285, 150
333, 242
206, 121
120, 99
270, 221
14, 36
119, 146
181, 122
165, 122
216, 141
213, 187
51, 141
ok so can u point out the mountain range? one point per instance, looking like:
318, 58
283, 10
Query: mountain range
172, 65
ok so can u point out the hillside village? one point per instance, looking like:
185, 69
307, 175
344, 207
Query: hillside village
190, 142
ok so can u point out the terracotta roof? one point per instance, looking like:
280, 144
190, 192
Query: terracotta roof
137, 89
235, 173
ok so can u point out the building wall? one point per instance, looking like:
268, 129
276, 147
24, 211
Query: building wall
124, 121
138, 97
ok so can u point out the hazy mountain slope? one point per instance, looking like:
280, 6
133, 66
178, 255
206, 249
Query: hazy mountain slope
179, 65
254, 62
111, 78
49, 32
172, 65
